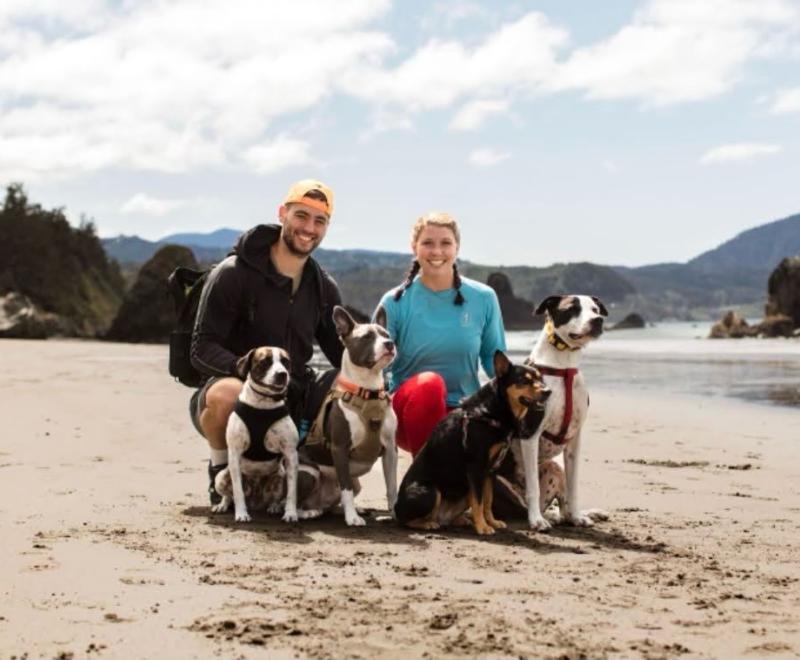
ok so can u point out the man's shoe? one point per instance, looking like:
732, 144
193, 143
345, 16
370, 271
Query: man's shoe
213, 471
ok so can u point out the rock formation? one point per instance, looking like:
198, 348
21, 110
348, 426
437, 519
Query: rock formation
783, 290
632, 320
21, 318
781, 313
732, 326
147, 313
517, 312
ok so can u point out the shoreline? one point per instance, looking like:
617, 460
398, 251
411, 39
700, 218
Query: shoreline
111, 549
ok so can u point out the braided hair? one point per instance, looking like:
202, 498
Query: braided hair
410, 275
437, 220
459, 299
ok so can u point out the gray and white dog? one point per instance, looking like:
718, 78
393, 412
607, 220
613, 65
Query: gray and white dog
356, 424
572, 322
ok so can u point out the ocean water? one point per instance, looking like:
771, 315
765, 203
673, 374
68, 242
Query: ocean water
677, 358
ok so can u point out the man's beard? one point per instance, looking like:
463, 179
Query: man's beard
288, 241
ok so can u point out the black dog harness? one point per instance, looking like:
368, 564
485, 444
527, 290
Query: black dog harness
258, 421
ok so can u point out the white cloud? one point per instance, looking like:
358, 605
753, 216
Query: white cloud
453, 12
277, 154
739, 151
475, 113
680, 50
384, 121
518, 55
166, 87
487, 157
175, 86
142, 203
787, 100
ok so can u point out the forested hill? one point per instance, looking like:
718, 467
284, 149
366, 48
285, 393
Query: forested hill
760, 248
61, 269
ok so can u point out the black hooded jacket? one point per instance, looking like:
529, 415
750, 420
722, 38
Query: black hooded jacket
247, 303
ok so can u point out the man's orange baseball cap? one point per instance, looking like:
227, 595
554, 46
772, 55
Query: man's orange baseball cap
298, 193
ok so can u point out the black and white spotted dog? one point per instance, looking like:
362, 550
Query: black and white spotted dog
572, 322
356, 424
262, 439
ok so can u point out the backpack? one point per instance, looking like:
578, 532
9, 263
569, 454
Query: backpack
185, 286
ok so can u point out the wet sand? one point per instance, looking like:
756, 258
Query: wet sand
110, 551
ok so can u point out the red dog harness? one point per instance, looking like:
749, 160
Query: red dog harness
568, 375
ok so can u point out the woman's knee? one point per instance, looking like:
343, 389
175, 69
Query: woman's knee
431, 382
426, 389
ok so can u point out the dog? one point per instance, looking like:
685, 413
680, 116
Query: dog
259, 434
356, 424
571, 322
453, 471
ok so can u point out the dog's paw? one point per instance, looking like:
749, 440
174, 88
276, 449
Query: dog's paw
222, 507
497, 524
539, 523
290, 516
354, 520
242, 516
275, 508
580, 519
307, 514
485, 530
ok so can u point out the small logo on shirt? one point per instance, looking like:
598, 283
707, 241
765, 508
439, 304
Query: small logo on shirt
465, 319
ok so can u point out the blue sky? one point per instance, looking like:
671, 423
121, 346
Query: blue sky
616, 132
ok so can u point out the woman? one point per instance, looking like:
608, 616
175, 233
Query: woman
443, 325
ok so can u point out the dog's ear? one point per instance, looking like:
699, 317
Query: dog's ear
343, 321
603, 310
549, 304
502, 364
243, 364
380, 316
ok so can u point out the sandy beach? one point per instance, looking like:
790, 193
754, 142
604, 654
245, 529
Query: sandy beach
111, 552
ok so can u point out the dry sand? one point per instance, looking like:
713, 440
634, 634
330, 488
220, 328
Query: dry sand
109, 549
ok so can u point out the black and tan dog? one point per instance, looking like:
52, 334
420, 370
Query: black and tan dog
454, 470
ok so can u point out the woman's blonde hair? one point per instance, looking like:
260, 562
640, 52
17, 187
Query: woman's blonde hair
435, 219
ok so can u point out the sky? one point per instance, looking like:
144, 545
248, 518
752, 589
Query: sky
625, 132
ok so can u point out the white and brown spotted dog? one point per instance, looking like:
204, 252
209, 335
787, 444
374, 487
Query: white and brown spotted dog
571, 322
356, 424
262, 438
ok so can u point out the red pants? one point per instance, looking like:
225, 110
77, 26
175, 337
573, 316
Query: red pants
419, 404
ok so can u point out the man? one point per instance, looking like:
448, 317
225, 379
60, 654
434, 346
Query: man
269, 292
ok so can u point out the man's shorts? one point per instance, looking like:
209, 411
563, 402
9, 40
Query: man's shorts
304, 397
197, 404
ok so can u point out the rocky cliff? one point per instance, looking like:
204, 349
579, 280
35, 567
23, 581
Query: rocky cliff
147, 314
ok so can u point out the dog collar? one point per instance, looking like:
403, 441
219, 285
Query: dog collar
356, 390
555, 340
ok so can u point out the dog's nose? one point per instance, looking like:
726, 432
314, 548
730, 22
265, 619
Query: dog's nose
546, 394
280, 378
389, 345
